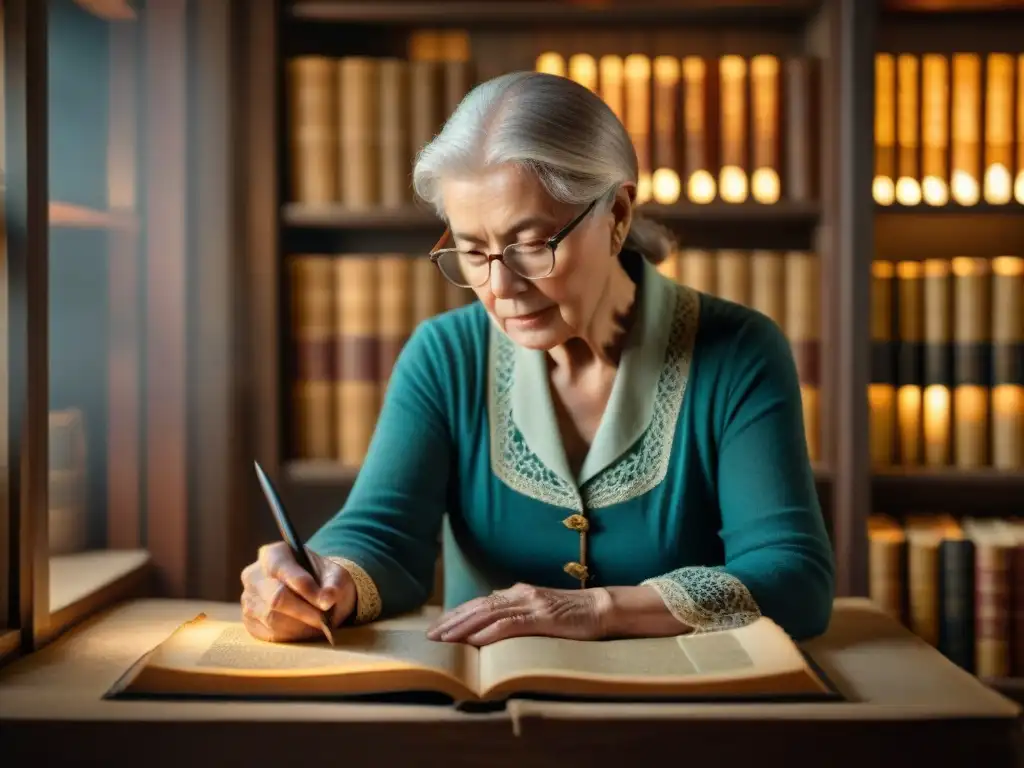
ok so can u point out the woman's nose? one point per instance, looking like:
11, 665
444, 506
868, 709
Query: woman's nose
505, 283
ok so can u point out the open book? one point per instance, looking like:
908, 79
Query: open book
217, 658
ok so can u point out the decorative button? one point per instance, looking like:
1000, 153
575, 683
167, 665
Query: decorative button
576, 523
577, 571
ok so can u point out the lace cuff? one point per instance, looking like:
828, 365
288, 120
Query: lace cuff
706, 599
368, 603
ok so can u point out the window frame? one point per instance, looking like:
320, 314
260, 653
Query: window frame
26, 276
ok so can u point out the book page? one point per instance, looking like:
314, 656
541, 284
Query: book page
758, 649
227, 647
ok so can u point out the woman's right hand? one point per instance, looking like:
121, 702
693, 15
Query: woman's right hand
281, 602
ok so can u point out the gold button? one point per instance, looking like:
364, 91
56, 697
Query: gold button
577, 571
576, 523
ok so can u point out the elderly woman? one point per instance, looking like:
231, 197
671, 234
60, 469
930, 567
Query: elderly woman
609, 453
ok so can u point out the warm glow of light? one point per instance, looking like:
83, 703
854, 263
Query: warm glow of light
936, 420
908, 191
934, 191
583, 69
551, 63
765, 185
611, 80
701, 187
964, 187
1008, 266
732, 184
998, 184
908, 408
883, 190
665, 186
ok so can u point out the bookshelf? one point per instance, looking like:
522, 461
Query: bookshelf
831, 214
946, 398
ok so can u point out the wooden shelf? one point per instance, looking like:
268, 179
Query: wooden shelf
413, 229
413, 217
74, 216
535, 13
949, 489
981, 209
1010, 687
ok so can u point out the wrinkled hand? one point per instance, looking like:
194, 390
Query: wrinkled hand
575, 614
281, 602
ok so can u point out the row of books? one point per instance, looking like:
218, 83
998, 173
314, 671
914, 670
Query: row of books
351, 314
355, 124
946, 127
730, 128
948, 362
959, 585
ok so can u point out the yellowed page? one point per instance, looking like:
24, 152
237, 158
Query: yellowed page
205, 651
726, 660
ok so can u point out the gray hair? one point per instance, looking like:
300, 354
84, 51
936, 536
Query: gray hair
553, 127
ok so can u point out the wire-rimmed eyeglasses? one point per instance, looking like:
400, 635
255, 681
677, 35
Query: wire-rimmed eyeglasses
533, 260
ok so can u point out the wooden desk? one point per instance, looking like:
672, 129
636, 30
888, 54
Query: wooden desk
906, 702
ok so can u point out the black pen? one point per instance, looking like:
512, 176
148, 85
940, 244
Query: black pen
291, 538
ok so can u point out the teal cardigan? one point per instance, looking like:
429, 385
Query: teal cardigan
698, 481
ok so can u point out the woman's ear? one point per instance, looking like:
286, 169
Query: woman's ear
622, 214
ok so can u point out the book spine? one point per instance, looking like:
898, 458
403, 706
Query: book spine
972, 313
313, 341
1017, 608
735, 165
733, 276
882, 390
394, 313
428, 290
803, 327
991, 610
922, 589
697, 270
425, 113
312, 112
910, 311
357, 391
938, 363
908, 188
393, 124
886, 570
665, 185
1008, 362
700, 102
956, 595
803, 136
768, 285
765, 93
883, 185
359, 134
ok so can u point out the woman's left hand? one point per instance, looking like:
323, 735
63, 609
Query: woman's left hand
575, 614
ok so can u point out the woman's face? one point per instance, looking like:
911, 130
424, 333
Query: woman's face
505, 205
